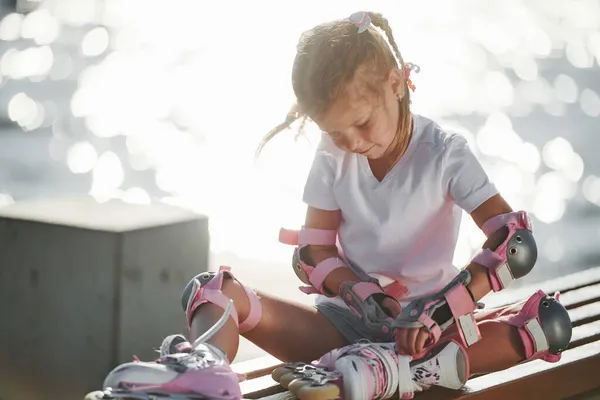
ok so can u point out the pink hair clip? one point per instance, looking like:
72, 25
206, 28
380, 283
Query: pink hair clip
408, 68
361, 19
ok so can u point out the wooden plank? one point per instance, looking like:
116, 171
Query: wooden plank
581, 296
585, 314
280, 396
572, 358
563, 284
580, 315
580, 293
593, 395
259, 388
256, 367
570, 376
584, 333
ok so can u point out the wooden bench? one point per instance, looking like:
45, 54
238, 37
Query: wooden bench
577, 373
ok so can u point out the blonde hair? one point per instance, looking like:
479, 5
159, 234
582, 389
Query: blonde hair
327, 59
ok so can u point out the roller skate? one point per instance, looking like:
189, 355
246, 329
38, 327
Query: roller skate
368, 371
184, 371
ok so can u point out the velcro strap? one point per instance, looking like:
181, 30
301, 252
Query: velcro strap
366, 289
538, 336
532, 335
431, 326
462, 307
499, 272
205, 295
211, 293
406, 385
535, 342
254, 314
319, 273
516, 219
319, 237
396, 290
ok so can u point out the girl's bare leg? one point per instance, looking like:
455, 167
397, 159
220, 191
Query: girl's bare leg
500, 348
287, 330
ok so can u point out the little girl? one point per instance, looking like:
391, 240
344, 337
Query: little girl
385, 196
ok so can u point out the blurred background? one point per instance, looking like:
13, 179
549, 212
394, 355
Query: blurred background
167, 101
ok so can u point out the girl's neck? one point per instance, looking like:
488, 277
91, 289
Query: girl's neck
383, 165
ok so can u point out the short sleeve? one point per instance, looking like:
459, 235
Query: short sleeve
318, 190
463, 176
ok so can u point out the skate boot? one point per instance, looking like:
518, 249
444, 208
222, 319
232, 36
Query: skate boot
174, 344
183, 372
368, 371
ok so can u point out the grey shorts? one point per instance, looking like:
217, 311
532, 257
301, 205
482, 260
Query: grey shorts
347, 323
353, 329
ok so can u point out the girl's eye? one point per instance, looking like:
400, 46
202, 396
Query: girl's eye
364, 124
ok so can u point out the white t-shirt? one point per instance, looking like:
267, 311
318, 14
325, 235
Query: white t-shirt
406, 226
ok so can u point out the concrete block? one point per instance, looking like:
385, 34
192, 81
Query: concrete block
85, 285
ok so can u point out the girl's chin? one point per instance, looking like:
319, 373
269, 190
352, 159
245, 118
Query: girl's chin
374, 153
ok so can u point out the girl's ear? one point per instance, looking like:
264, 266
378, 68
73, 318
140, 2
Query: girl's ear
397, 83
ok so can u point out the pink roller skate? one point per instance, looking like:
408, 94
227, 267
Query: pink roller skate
183, 372
369, 371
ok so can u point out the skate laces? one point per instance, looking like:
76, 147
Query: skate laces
396, 368
215, 328
391, 371
200, 356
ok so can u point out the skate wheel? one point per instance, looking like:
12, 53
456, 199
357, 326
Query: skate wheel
328, 391
296, 384
97, 395
286, 379
279, 372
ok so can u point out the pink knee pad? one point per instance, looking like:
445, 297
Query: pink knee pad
206, 288
544, 326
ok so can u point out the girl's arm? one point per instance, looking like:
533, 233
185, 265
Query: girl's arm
335, 279
326, 220
480, 284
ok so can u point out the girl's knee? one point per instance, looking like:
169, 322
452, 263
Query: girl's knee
234, 290
219, 288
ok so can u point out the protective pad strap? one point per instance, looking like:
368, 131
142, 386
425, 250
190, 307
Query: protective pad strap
396, 290
362, 299
254, 313
513, 220
543, 325
462, 307
498, 270
210, 292
304, 237
454, 297
317, 274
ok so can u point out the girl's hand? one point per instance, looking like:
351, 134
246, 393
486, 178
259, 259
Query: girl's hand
411, 341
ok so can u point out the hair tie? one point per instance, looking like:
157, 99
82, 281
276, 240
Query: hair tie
361, 19
408, 68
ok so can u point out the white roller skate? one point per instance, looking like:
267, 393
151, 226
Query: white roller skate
183, 372
368, 371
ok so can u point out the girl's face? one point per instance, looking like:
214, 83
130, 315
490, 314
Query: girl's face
361, 121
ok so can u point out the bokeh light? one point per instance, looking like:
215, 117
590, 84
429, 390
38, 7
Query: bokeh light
184, 91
